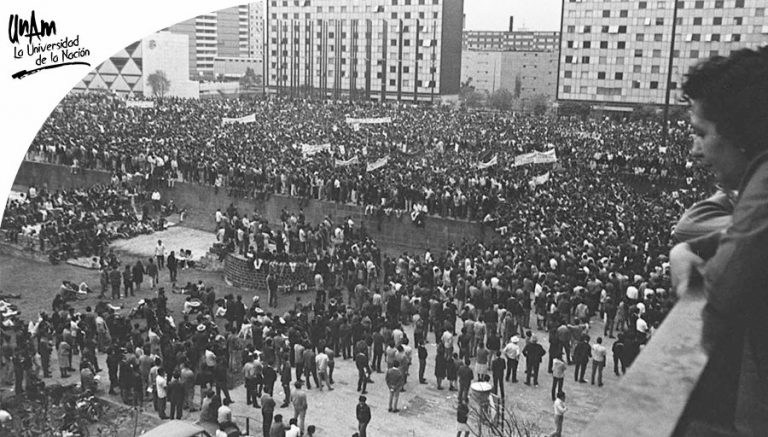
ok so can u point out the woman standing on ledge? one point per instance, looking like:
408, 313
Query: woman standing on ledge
729, 117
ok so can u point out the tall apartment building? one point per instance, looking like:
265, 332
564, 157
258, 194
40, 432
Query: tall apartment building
510, 40
618, 52
373, 49
235, 32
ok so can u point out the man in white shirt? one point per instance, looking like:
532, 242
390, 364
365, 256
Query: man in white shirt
599, 353
559, 412
160, 385
293, 429
160, 254
512, 354
321, 363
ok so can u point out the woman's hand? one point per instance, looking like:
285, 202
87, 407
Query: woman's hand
684, 265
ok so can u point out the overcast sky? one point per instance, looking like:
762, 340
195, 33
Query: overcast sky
529, 14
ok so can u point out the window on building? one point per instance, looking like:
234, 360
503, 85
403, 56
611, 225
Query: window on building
659, 21
736, 37
717, 21
392, 82
638, 53
569, 44
637, 68
618, 76
657, 53
569, 59
606, 13
622, 29
621, 45
587, 29
658, 37
642, 5
697, 21
635, 84
681, 4
619, 60
605, 29
566, 89
715, 37
623, 13
759, 12
393, 42
654, 85
603, 44
695, 37
694, 54
699, 4
601, 74
585, 59
587, 44
713, 53
568, 74
640, 37
571, 29
602, 60
655, 69
673, 85
719, 4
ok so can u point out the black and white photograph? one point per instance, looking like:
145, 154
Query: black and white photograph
405, 218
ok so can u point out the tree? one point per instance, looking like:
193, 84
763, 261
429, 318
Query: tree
518, 86
468, 95
249, 81
644, 112
159, 83
539, 104
574, 109
501, 99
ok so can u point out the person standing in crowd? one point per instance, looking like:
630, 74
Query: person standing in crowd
422, 354
138, 275
512, 354
285, 381
618, 355
497, 369
114, 280
533, 353
599, 354
153, 274
176, 395
173, 267
558, 375
465, 379
559, 413
363, 371
278, 428
300, 405
160, 254
128, 281
160, 387
581, 355
267, 411
363, 413
462, 416
395, 381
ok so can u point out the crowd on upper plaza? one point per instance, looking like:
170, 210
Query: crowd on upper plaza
75, 222
433, 152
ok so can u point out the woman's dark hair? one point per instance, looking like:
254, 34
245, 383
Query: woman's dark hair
733, 93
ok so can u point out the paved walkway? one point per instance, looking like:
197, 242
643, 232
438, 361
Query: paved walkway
174, 238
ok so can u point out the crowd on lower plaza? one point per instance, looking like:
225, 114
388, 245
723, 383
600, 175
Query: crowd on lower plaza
81, 222
582, 246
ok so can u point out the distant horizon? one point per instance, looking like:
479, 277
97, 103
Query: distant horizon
493, 15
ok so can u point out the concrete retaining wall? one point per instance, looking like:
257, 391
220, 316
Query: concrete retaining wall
394, 235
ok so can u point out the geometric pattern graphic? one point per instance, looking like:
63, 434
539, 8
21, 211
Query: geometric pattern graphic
120, 73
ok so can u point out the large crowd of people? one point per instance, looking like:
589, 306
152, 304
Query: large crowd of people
433, 152
580, 246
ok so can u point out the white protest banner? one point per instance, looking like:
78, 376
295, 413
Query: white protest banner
348, 162
375, 165
378, 120
247, 119
540, 180
524, 159
662, 149
311, 149
493, 161
139, 104
545, 157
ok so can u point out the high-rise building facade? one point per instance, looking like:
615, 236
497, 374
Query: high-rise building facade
374, 49
510, 40
235, 32
619, 51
